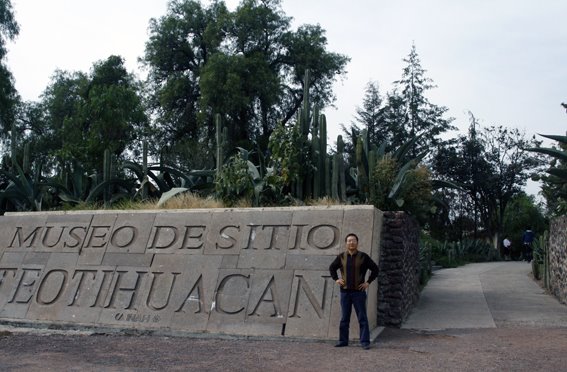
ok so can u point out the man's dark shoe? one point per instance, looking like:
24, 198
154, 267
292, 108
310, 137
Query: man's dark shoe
341, 344
366, 347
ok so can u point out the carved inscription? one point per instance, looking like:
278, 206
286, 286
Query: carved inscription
319, 237
139, 290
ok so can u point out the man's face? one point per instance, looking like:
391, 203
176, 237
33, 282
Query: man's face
351, 244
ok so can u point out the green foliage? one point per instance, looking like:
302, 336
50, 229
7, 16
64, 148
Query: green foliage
401, 184
491, 166
289, 154
554, 188
247, 65
9, 98
457, 253
521, 212
236, 180
24, 192
82, 115
425, 263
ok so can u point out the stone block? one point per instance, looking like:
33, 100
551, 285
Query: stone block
179, 233
316, 231
249, 272
309, 313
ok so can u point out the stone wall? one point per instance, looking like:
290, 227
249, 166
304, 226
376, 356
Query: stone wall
246, 272
558, 258
398, 280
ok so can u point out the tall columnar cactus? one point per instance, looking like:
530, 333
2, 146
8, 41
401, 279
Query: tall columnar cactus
26, 162
322, 156
366, 158
342, 180
106, 177
304, 116
363, 171
328, 172
13, 144
335, 177
317, 171
220, 143
145, 170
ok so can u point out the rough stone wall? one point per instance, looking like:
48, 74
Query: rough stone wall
398, 280
558, 258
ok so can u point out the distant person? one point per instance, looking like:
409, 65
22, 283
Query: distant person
507, 244
353, 266
527, 240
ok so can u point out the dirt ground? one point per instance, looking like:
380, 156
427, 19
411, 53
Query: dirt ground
496, 349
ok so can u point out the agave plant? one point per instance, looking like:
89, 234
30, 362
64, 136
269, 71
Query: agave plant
560, 155
24, 192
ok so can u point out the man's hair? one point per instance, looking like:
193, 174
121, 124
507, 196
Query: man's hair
351, 234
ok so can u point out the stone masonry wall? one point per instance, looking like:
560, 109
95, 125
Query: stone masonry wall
398, 279
558, 258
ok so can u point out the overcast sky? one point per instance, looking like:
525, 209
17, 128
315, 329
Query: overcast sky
503, 60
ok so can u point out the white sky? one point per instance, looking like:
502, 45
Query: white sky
503, 60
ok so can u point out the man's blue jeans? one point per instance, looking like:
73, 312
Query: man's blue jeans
356, 299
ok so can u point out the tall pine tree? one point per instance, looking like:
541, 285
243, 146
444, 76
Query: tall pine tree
415, 115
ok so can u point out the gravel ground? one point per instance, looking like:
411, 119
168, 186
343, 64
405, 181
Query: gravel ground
496, 349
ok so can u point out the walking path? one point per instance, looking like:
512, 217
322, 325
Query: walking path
485, 295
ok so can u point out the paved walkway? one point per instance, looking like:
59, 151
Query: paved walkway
485, 295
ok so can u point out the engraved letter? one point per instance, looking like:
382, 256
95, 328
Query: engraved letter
72, 234
46, 235
149, 299
227, 237
331, 235
302, 284
98, 237
221, 288
273, 299
297, 239
200, 296
77, 292
157, 232
117, 287
199, 237
27, 283
59, 283
125, 238
30, 238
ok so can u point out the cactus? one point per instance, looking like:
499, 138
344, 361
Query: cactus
13, 144
106, 177
26, 162
145, 170
342, 180
221, 142
335, 178
322, 156
362, 167
327, 175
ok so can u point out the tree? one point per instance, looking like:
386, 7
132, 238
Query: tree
85, 114
412, 111
522, 212
247, 65
554, 183
491, 165
403, 114
9, 97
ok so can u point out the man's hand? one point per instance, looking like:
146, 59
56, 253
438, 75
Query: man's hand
340, 282
363, 286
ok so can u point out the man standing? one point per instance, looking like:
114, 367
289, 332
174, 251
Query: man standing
528, 239
353, 266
